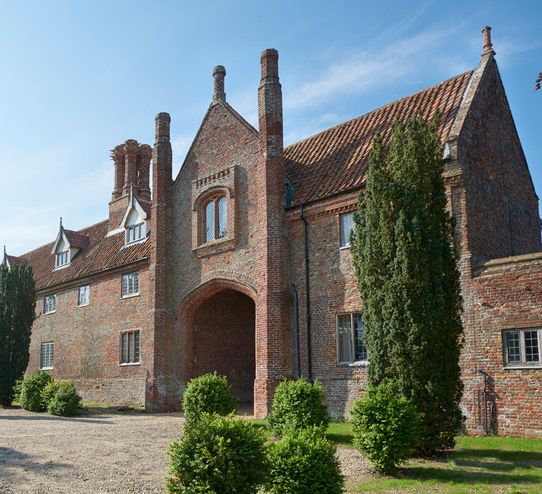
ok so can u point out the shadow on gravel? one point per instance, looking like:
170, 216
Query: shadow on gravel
95, 420
13, 461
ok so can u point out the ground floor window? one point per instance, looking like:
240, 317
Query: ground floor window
350, 339
129, 347
47, 355
522, 347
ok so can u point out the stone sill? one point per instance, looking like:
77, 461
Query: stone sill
362, 363
132, 364
215, 247
523, 367
129, 296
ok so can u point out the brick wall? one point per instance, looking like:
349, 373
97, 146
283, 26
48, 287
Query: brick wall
506, 294
87, 338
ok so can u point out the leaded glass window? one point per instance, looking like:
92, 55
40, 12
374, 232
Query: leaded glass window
522, 347
216, 219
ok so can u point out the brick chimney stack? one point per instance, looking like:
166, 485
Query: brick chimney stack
143, 168
219, 72
488, 46
131, 150
272, 324
117, 154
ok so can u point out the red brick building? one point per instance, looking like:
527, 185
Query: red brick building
241, 264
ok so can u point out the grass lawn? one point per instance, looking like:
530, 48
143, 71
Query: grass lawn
477, 465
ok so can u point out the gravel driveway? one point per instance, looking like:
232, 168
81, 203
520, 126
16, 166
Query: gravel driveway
97, 454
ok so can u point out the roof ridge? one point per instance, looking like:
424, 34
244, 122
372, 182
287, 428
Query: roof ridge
417, 93
74, 231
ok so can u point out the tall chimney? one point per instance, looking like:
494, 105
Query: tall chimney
143, 165
117, 154
219, 72
131, 150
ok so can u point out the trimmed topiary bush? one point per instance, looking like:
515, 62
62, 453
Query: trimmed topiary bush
31, 389
304, 462
386, 426
297, 405
49, 391
17, 391
218, 455
64, 400
209, 393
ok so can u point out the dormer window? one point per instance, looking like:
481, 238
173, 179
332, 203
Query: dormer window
134, 222
67, 245
216, 218
62, 259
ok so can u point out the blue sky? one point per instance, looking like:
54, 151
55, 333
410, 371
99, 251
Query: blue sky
78, 78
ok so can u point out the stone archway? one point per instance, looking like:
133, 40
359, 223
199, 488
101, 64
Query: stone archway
218, 322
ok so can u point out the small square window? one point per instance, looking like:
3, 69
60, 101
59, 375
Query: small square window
346, 227
522, 347
350, 339
129, 347
130, 284
83, 296
47, 355
49, 304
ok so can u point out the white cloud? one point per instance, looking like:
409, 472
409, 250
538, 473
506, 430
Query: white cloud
373, 68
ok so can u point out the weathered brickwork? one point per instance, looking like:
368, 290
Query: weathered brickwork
242, 258
87, 339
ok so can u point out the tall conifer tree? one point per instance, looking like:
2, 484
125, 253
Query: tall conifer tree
17, 313
408, 278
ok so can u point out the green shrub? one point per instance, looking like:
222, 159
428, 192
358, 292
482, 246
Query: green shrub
209, 393
64, 400
17, 391
49, 391
304, 462
297, 405
386, 426
31, 389
218, 455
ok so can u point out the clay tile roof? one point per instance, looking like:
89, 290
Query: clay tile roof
75, 239
336, 159
98, 253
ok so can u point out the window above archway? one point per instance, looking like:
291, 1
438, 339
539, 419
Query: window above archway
214, 212
216, 218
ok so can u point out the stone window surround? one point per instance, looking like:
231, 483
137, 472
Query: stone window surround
209, 188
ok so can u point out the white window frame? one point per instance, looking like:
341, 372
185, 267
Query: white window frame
523, 354
62, 259
49, 304
352, 340
344, 243
130, 347
129, 286
135, 233
47, 351
87, 301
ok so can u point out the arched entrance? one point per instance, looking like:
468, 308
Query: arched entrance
220, 332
